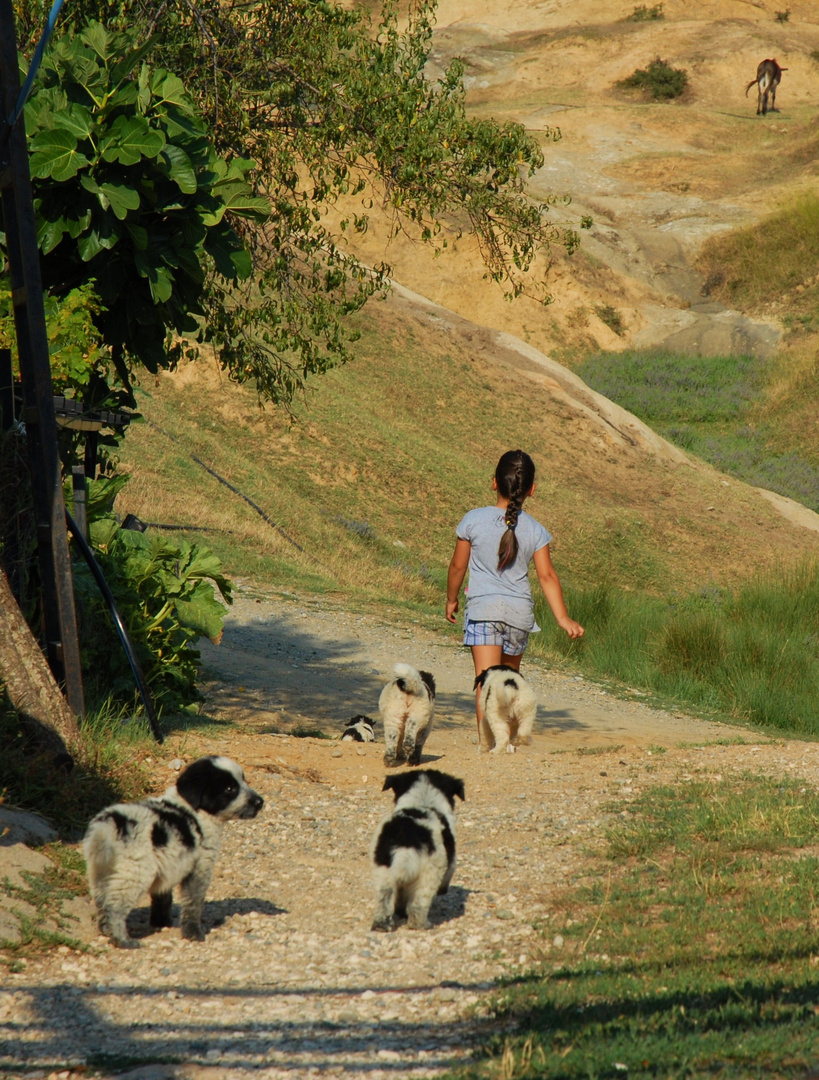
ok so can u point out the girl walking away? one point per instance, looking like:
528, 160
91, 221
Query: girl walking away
497, 544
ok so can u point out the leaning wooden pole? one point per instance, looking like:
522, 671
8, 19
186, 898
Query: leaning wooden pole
35, 372
29, 684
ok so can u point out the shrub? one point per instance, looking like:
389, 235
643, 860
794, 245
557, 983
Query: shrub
659, 79
165, 592
646, 14
783, 16
611, 317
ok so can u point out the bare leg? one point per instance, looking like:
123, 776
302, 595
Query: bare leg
483, 657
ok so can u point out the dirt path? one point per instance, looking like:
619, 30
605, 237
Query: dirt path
291, 981
287, 663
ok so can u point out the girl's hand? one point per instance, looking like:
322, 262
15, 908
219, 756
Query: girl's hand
572, 628
451, 609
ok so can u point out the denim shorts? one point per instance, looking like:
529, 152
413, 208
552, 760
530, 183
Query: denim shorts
511, 640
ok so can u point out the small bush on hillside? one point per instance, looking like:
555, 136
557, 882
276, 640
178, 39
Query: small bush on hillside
611, 317
659, 79
646, 14
783, 16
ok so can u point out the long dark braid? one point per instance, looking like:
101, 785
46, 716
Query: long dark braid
514, 477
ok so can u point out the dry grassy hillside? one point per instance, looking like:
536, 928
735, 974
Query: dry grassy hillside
387, 454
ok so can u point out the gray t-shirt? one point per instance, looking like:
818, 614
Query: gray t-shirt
505, 595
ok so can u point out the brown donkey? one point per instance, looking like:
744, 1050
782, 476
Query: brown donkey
768, 76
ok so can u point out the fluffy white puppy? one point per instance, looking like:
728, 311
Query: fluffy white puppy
509, 709
359, 729
407, 707
413, 854
159, 843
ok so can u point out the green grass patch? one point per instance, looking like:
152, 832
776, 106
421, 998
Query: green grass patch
707, 406
751, 654
690, 952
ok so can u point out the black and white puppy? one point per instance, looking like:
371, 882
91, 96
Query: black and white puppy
159, 843
413, 854
407, 707
509, 709
359, 729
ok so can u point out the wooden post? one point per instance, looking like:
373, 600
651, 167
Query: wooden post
6, 391
35, 371
78, 488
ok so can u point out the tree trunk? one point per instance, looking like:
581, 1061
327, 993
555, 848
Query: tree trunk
30, 685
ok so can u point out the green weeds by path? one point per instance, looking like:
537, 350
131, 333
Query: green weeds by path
692, 953
750, 654
707, 405
38, 903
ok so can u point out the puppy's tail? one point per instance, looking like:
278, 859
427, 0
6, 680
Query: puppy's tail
507, 691
100, 852
409, 680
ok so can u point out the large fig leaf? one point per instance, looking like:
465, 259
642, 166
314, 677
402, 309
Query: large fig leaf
56, 155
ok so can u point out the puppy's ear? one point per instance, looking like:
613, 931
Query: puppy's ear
428, 681
449, 786
452, 786
399, 783
480, 679
204, 785
192, 781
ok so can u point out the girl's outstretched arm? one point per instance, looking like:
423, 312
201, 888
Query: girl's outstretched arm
552, 590
455, 577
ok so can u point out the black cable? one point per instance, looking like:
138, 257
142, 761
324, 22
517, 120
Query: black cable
124, 637
227, 484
